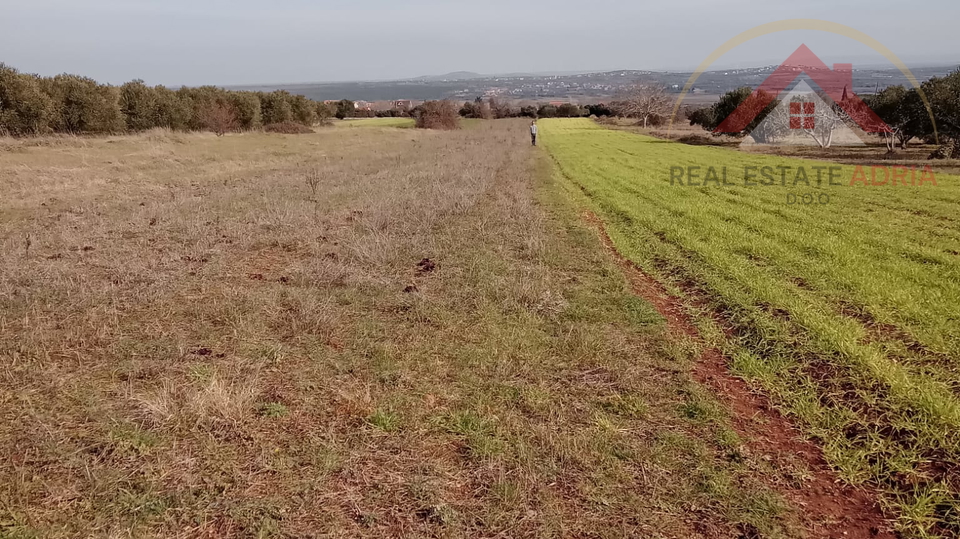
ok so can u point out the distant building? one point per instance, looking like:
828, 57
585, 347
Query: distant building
363, 105
403, 104
381, 105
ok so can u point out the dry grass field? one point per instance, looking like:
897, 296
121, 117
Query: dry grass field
362, 332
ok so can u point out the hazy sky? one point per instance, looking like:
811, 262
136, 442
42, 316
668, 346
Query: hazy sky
247, 42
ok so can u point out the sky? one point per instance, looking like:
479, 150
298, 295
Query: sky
234, 42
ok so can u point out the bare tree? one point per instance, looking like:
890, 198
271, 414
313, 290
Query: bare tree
826, 122
808, 117
220, 118
646, 102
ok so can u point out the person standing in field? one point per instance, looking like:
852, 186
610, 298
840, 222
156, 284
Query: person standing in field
533, 132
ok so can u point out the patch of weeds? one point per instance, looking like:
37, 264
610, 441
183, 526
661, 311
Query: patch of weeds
532, 400
478, 433
926, 508
272, 410
326, 460
624, 452
132, 439
385, 420
730, 442
13, 526
268, 527
680, 351
201, 374
467, 423
674, 449
505, 492
640, 311
699, 407
422, 489
139, 504
760, 508
384, 365
260, 521
625, 406
437, 514
715, 483
271, 354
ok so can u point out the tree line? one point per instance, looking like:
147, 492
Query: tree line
35, 105
903, 111
492, 108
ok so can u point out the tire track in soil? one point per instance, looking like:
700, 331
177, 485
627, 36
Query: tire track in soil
830, 509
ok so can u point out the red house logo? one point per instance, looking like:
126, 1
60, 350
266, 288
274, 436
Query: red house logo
809, 112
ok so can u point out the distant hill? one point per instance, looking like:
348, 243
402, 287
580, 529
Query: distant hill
579, 87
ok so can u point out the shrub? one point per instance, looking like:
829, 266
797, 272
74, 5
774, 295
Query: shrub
302, 109
547, 111
275, 108
529, 111
200, 101
24, 107
247, 107
470, 110
83, 106
138, 104
324, 114
599, 109
220, 118
437, 115
288, 128
569, 110
173, 111
499, 109
345, 109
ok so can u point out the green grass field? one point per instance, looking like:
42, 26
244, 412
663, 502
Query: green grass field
846, 312
376, 122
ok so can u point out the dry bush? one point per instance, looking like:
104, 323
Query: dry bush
288, 128
216, 402
220, 118
438, 115
649, 103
